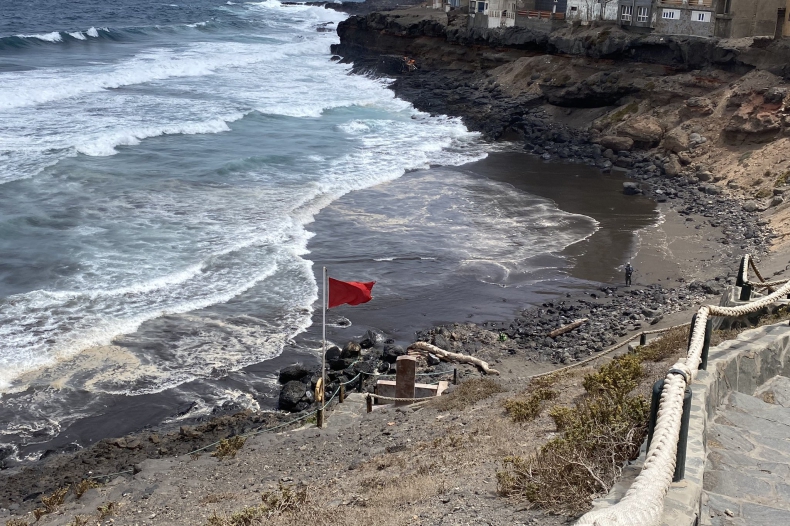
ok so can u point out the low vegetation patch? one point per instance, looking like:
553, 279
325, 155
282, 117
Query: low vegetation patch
524, 409
286, 499
468, 393
106, 510
83, 486
16, 522
228, 447
601, 431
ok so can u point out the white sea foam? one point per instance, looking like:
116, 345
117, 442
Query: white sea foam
106, 144
92, 32
55, 36
78, 35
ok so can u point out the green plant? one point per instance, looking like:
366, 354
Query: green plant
762, 193
526, 409
744, 156
670, 343
228, 447
618, 377
782, 179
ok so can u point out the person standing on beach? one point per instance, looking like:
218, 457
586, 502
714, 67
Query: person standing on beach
629, 270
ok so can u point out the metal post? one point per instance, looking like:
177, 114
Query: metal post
680, 459
369, 403
455, 376
746, 293
342, 394
376, 392
319, 418
643, 339
323, 354
654, 401
706, 345
361, 381
739, 281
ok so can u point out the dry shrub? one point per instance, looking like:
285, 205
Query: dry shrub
55, 499
526, 409
286, 499
107, 509
16, 522
83, 486
619, 377
228, 447
80, 520
468, 393
769, 397
600, 432
669, 344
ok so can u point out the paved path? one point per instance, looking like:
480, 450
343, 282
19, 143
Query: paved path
747, 474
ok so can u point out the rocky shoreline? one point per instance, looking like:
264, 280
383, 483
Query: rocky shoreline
530, 120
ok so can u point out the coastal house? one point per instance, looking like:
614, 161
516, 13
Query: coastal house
637, 14
541, 15
587, 10
447, 5
751, 18
685, 17
501, 13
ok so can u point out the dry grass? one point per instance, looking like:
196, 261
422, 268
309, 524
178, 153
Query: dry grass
16, 522
106, 510
668, 345
80, 520
228, 447
284, 500
468, 393
83, 486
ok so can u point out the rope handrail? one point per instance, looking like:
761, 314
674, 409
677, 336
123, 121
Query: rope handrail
748, 262
395, 399
607, 350
643, 503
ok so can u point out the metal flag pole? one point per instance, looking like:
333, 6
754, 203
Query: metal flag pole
320, 419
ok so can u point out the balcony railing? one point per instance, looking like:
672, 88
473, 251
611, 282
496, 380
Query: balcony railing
542, 14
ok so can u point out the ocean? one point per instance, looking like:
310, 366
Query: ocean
172, 177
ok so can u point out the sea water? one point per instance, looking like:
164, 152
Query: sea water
161, 165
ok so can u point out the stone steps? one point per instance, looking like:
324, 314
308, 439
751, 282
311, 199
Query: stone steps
747, 474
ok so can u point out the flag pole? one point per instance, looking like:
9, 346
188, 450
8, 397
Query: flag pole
323, 353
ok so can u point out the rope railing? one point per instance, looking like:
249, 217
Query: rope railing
643, 503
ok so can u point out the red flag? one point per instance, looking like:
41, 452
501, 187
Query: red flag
351, 292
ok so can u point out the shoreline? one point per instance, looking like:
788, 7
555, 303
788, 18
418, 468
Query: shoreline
132, 451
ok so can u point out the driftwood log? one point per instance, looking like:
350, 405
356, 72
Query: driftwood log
566, 328
425, 348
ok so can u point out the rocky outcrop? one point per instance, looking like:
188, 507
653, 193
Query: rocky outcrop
645, 131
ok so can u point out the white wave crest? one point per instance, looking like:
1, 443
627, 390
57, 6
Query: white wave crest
46, 37
93, 32
78, 35
105, 145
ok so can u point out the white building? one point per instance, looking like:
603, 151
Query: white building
586, 10
501, 13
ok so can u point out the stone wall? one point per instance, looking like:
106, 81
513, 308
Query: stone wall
687, 23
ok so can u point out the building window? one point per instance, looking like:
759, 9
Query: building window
641, 14
625, 13
700, 16
670, 14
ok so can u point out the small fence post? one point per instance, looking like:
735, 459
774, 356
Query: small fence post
746, 292
359, 385
369, 403
376, 392
739, 281
655, 399
643, 339
680, 459
706, 345
455, 376
319, 419
342, 397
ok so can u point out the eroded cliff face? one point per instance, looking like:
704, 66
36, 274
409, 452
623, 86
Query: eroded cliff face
705, 112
